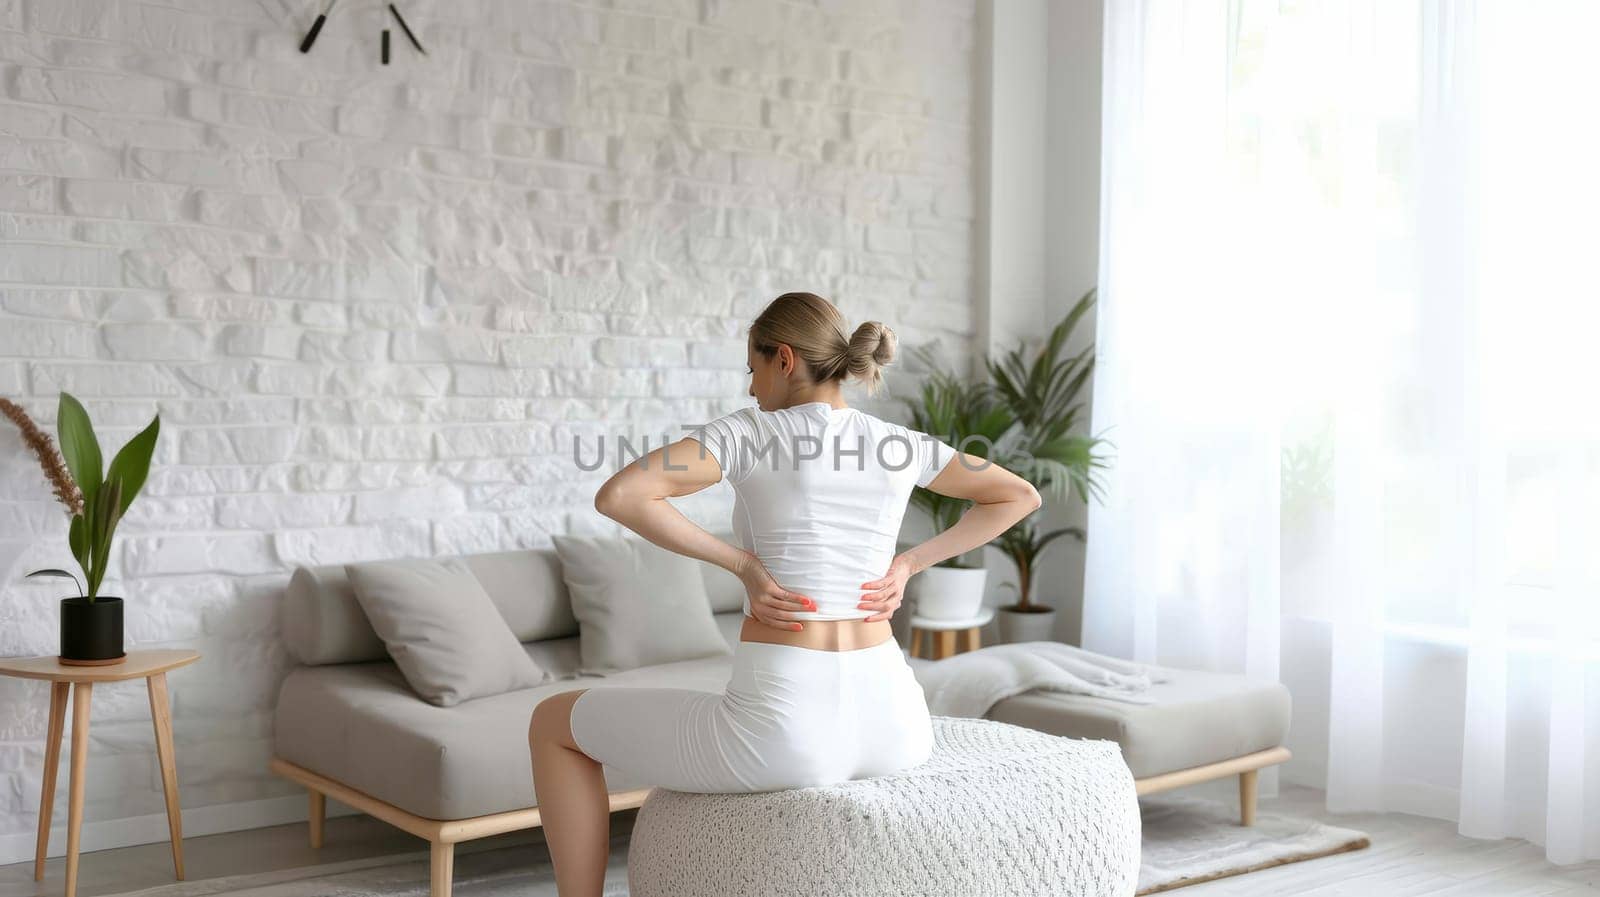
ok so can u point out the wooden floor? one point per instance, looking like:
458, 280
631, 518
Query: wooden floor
1410, 855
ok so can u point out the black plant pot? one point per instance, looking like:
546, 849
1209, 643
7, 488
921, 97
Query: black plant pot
91, 631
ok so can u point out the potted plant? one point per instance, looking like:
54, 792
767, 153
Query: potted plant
961, 412
1041, 397
96, 498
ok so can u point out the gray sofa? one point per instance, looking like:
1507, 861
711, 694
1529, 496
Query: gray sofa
349, 727
348, 713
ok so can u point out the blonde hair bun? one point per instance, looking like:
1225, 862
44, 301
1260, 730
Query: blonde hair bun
815, 329
871, 348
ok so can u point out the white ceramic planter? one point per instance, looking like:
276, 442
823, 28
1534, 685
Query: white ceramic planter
949, 593
1014, 626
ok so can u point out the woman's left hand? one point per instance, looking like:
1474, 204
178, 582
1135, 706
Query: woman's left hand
884, 595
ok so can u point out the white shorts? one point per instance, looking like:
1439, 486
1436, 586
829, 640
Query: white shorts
790, 717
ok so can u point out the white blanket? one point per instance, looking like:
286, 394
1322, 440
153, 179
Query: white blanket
968, 684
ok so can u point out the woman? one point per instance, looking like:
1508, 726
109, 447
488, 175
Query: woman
820, 691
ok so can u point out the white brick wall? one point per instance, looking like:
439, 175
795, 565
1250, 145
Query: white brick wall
373, 305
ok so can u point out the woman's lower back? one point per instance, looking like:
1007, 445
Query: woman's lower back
820, 635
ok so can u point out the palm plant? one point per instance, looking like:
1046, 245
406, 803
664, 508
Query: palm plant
1023, 544
1041, 396
962, 412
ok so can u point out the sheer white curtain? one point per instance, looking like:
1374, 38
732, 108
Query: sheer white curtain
1347, 360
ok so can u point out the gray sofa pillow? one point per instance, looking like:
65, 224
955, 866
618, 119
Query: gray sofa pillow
726, 591
637, 604
442, 629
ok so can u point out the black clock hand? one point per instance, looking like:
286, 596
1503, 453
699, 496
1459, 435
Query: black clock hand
407, 29
316, 27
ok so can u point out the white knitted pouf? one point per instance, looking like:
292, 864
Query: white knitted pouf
997, 810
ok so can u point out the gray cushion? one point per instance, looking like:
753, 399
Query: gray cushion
360, 724
723, 588
637, 604
1197, 718
560, 658
442, 629
322, 622
725, 591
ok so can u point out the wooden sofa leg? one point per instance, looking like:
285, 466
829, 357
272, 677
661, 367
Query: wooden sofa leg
316, 816
443, 861
1247, 797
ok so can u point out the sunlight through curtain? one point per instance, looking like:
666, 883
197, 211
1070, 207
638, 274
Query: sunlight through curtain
1348, 298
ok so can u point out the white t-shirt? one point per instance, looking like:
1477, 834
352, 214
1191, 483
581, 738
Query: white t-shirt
819, 493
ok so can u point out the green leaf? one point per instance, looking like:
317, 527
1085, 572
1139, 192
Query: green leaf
78, 540
106, 516
1040, 542
1041, 394
132, 463
62, 574
79, 447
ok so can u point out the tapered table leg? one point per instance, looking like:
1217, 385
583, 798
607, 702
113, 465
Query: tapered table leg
161, 716
76, 680
80, 751
317, 815
52, 759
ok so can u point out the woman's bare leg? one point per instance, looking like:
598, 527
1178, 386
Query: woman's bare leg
571, 789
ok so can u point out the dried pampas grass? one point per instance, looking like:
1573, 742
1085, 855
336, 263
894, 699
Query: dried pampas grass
55, 467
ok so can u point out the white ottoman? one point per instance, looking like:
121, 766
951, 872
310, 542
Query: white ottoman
997, 810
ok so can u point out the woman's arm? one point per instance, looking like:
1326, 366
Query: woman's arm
1000, 499
636, 497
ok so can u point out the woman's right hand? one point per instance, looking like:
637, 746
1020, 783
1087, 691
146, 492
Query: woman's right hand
884, 595
771, 603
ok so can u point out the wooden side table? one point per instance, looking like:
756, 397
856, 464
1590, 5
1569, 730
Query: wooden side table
942, 634
152, 665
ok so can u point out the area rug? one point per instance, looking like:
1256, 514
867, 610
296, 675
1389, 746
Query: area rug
1186, 841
